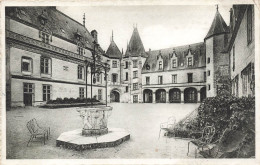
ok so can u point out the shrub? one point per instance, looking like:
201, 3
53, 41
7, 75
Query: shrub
66, 100
50, 102
72, 100
80, 100
58, 100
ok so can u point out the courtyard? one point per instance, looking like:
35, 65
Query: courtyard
141, 120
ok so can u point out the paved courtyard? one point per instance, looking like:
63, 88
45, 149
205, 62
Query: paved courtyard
141, 120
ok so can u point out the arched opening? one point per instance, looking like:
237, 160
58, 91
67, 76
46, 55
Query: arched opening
148, 96
203, 93
175, 95
114, 96
190, 95
160, 96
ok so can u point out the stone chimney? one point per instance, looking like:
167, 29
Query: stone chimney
94, 35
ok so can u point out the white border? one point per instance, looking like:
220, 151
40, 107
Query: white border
123, 3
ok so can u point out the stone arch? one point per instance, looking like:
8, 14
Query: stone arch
175, 95
160, 96
147, 96
115, 95
190, 95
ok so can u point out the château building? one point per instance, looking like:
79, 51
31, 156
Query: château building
46, 52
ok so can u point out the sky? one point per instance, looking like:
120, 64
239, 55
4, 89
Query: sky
159, 26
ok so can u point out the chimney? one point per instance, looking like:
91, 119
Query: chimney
149, 51
94, 35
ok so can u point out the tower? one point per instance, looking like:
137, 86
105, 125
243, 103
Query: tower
217, 62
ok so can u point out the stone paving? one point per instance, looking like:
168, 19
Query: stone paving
142, 121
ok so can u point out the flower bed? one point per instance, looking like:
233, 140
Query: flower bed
71, 102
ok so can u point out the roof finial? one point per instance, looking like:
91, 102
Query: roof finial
112, 36
122, 51
84, 19
217, 6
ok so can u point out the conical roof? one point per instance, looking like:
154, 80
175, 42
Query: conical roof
135, 46
218, 26
113, 51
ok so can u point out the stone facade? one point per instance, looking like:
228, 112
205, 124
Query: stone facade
42, 64
242, 50
46, 59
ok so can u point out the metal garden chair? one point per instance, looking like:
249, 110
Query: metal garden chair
37, 131
168, 126
204, 141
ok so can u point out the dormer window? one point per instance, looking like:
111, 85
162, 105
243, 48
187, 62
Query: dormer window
45, 38
174, 63
45, 35
189, 58
80, 49
160, 65
160, 61
190, 61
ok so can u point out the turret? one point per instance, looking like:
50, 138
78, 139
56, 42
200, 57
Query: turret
215, 41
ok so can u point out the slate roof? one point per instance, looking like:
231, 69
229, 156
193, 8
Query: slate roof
198, 51
58, 23
135, 47
113, 51
218, 26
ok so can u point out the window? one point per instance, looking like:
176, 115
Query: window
114, 78
147, 80
208, 61
45, 38
208, 87
174, 78
46, 92
190, 61
135, 86
160, 65
45, 65
134, 63
98, 77
135, 98
126, 89
205, 76
26, 64
208, 72
189, 77
174, 63
234, 58
80, 72
126, 64
114, 64
126, 76
81, 92
28, 88
99, 94
135, 74
249, 24
160, 80
80, 50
